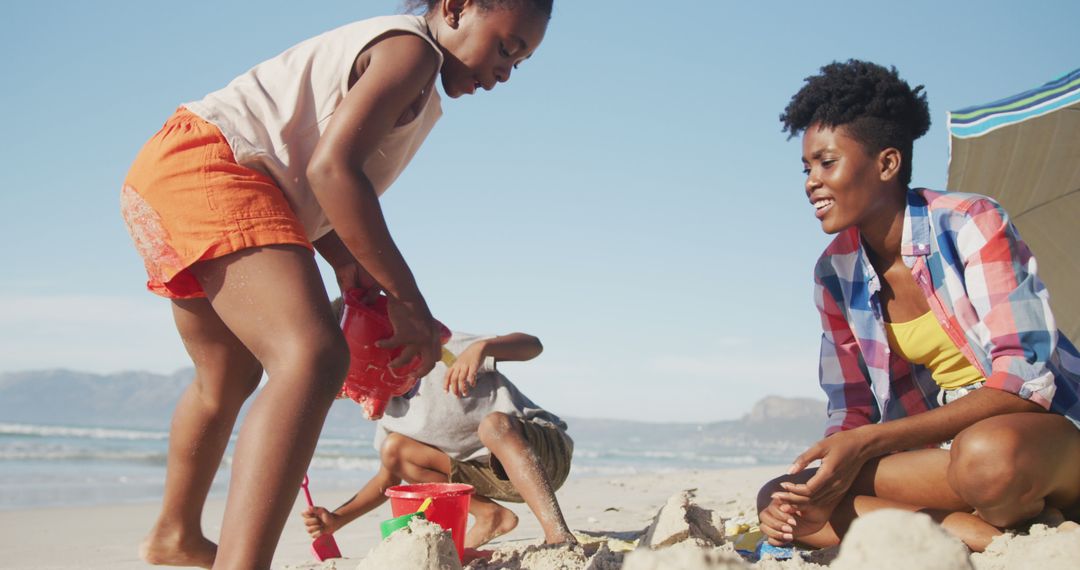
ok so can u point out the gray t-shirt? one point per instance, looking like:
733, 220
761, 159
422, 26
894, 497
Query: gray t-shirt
449, 423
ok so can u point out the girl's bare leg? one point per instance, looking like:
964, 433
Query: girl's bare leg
273, 300
225, 375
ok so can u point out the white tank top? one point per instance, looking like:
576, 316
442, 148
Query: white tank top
273, 115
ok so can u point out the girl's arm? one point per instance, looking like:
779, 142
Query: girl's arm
461, 376
393, 75
348, 272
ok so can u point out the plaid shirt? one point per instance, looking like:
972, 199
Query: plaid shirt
980, 282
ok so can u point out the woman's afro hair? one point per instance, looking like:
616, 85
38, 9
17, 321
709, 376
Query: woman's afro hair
871, 102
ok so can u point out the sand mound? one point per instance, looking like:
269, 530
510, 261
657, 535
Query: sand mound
681, 519
422, 546
684, 556
334, 564
550, 557
899, 540
1043, 548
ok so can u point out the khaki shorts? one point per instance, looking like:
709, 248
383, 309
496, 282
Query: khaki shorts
552, 447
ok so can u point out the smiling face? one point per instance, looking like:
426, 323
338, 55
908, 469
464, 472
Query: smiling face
481, 47
847, 185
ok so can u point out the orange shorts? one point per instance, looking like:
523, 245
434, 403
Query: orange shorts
186, 200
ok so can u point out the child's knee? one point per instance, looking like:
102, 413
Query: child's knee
496, 426
392, 453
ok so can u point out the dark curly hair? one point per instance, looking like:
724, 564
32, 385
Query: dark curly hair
871, 102
543, 6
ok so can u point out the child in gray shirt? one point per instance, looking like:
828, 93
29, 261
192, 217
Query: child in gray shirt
467, 423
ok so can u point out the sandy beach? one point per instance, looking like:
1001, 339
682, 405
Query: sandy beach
108, 536
616, 509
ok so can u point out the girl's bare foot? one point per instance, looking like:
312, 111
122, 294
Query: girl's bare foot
165, 548
491, 523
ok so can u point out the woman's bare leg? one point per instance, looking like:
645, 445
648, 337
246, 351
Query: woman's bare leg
273, 300
225, 375
1000, 472
911, 481
1012, 467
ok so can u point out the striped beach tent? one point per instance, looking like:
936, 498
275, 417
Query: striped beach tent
1024, 151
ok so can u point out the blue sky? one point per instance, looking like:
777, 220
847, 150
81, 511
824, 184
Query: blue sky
628, 197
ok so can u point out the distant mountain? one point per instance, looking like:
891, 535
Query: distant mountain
775, 427
66, 397
146, 401
127, 400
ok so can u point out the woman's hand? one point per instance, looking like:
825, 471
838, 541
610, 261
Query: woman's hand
320, 521
416, 332
461, 376
842, 456
778, 522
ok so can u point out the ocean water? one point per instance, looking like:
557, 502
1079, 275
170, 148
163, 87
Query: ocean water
51, 465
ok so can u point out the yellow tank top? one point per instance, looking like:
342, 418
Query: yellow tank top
923, 341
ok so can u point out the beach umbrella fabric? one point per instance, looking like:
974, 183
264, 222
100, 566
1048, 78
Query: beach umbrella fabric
1024, 151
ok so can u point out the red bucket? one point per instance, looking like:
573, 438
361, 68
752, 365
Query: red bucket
370, 382
449, 506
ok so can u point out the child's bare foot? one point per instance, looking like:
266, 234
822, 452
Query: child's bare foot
474, 554
561, 537
490, 524
174, 549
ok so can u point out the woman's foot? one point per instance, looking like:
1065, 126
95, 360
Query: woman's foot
164, 548
492, 521
1050, 517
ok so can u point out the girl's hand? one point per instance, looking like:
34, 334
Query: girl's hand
416, 332
461, 377
320, 521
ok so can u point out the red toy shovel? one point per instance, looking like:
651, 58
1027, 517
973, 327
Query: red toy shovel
324, 547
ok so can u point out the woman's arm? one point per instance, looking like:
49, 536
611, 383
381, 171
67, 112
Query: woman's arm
841, 370
1010, 300
1001, 283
